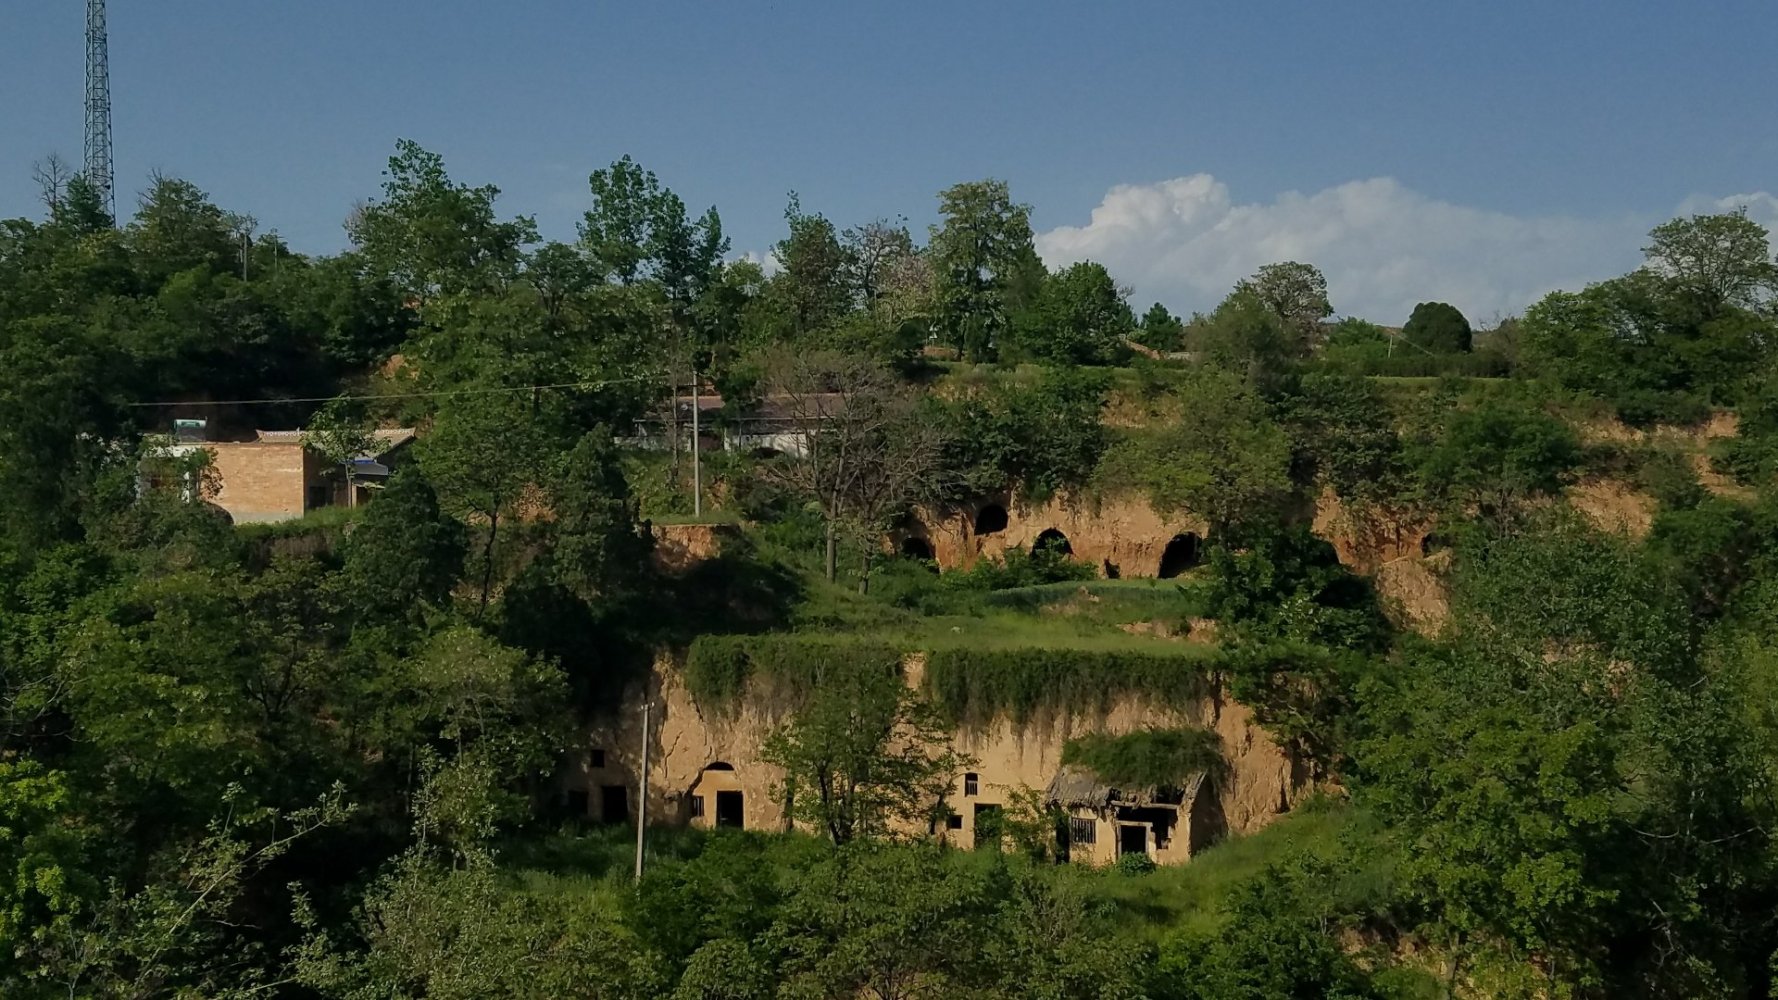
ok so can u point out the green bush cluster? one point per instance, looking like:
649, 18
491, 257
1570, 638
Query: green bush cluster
1151, 757
720, 669
975, 686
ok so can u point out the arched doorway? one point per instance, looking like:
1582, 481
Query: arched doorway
1182, 553
990, 519
716, 798
1051, 540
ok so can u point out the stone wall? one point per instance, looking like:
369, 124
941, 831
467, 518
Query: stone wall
686, 740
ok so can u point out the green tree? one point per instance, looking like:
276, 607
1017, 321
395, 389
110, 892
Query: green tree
1225, 459
1161, 330
1722, 260
1275, 941
1247, 336
1295, 293
596, 545
890, 923
1344, 437
404, 556
433, 237
1044, 436
863, 757
817, 277
341, 433
481, 456
1079, 318
1437, 327
985, 265
177, 228
1497, 455
43, 876
459, 932
869, 450
638, 230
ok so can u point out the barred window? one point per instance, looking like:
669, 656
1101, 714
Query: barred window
697, 807
971, 783
1081, 830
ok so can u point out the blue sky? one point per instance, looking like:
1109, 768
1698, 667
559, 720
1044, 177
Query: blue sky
1477, 152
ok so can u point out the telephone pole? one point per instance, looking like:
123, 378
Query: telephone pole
697, 472
98, 107
642, 789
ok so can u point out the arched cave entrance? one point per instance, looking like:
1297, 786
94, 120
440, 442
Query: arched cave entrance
915, 547
1182, 553
716, 799
1054, 541
990, 519
1433, 542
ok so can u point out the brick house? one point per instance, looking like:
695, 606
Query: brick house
273, 477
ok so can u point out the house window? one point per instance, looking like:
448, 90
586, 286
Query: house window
697, 807
971, 784
954, 821
598, 758
1081, 830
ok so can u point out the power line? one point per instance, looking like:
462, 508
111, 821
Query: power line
268, 401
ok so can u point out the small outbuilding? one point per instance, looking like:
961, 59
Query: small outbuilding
1106, 823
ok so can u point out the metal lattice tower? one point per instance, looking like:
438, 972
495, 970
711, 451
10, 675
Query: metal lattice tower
98, 106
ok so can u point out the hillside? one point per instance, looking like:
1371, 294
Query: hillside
354, 611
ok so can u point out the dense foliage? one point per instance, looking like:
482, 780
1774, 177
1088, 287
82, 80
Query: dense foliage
326, 757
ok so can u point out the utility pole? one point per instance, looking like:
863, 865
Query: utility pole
697, 472
98, 106
642, 790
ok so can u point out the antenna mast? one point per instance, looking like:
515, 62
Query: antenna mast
98, 106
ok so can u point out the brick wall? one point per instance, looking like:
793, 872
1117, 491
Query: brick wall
264, 481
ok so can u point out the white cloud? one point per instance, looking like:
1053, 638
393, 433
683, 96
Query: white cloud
768, 261
1383, 246
1762, 207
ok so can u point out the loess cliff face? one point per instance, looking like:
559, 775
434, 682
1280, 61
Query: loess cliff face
696, 752
1120, 536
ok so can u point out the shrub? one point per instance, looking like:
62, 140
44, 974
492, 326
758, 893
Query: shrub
781, 668
1498, 454
1438, 327
975, 686
1158, 757
1018, 568
1134, 864
1647, 407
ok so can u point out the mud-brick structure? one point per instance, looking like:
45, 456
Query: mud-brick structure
706, 769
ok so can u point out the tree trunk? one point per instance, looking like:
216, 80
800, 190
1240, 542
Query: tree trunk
864, 571
488, 562
833, 553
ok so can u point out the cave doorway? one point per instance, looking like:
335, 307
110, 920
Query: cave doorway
1132, 838
731, 809
1182, 553
990, 519
915, 547
1054, 541
614, 804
